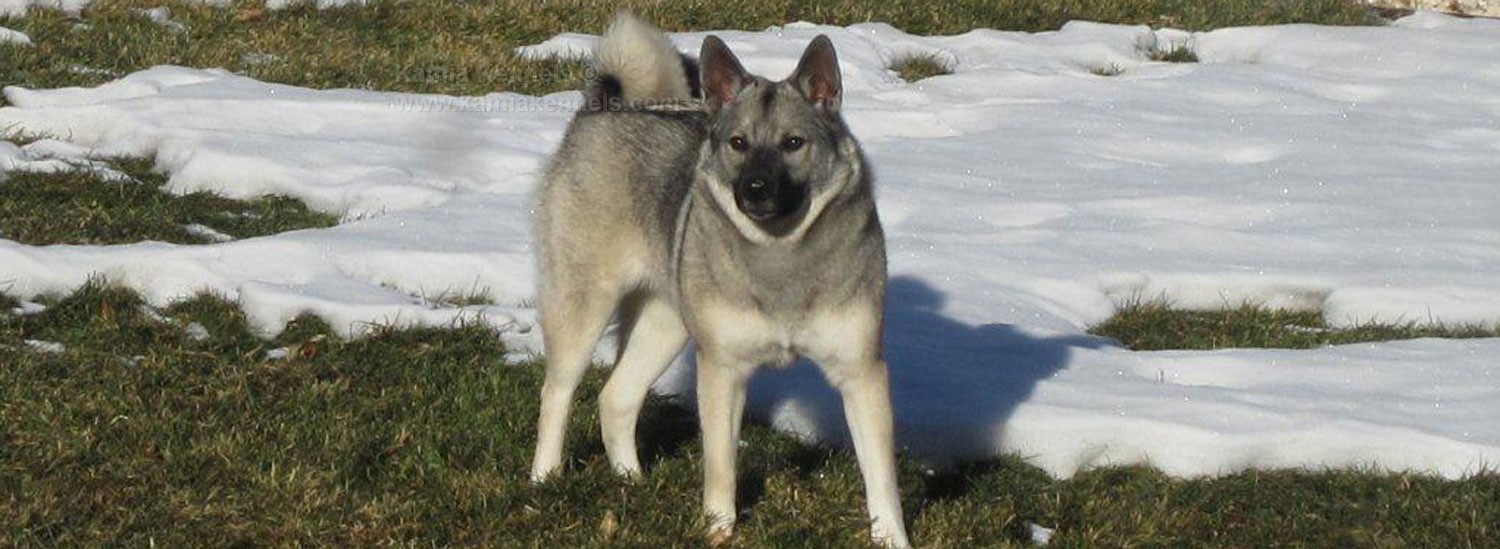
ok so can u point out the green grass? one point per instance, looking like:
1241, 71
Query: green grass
138, 434
80, 207
466, 47
1111, 69
462, 298
1156, 325
914, 67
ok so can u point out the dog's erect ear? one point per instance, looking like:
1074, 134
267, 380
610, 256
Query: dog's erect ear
720, 73
817, 75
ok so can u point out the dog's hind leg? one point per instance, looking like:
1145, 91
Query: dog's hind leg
571, 324
654, 335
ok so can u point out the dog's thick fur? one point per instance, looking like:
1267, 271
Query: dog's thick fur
745, 220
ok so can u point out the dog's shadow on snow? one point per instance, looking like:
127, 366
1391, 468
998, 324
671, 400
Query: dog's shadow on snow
954, 387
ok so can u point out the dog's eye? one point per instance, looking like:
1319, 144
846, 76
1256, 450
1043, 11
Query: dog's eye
792, 143
738, 143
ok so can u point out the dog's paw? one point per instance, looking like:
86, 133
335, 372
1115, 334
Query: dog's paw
891, 543
539, 476
720, 531
720, 537
885, 537
629, 474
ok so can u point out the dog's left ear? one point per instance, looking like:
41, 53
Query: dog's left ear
817, 75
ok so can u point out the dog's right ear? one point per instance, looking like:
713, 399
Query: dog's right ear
720, 73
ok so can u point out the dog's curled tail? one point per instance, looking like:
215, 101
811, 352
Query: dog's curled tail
635, 64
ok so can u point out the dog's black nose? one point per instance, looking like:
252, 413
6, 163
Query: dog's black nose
758, 196
765, 197
759, 190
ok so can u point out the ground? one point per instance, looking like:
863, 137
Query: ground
133, 419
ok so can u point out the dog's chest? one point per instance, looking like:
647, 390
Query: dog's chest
755, 304
747, 335
751, 337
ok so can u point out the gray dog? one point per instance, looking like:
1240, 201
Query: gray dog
745, 220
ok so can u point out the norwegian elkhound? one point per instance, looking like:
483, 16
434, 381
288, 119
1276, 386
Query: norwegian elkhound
720, 205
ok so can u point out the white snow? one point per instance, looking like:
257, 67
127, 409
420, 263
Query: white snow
48, 347
206, 232
196, 332
14, 37
162, 16
17, 8
321, 4
1024, 198
52, 156
25, 308
1040, 535
259, 58
153, 314
80, 69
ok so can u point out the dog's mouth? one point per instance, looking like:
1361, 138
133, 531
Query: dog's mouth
759, 215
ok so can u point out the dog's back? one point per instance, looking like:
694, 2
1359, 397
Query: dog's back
609, 200
610, 197
605, 216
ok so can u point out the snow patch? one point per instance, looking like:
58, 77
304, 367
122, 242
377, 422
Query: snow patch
259, 58
25, 308
320, 4
196, 332
17, 8
1023, 197
11, 36
1040, 535
207, 233
162, 16
53, 156
48, 347
153, 314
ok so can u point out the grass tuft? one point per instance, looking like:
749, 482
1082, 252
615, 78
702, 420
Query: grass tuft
463, 299
454, 298
1155, 325
917, 66
1112, 69
1174, 54
305, 328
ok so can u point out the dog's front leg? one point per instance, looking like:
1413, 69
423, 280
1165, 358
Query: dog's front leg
721, 405
865, 388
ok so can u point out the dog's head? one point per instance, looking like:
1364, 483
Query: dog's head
777, 152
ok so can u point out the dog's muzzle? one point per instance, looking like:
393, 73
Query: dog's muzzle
768, 199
